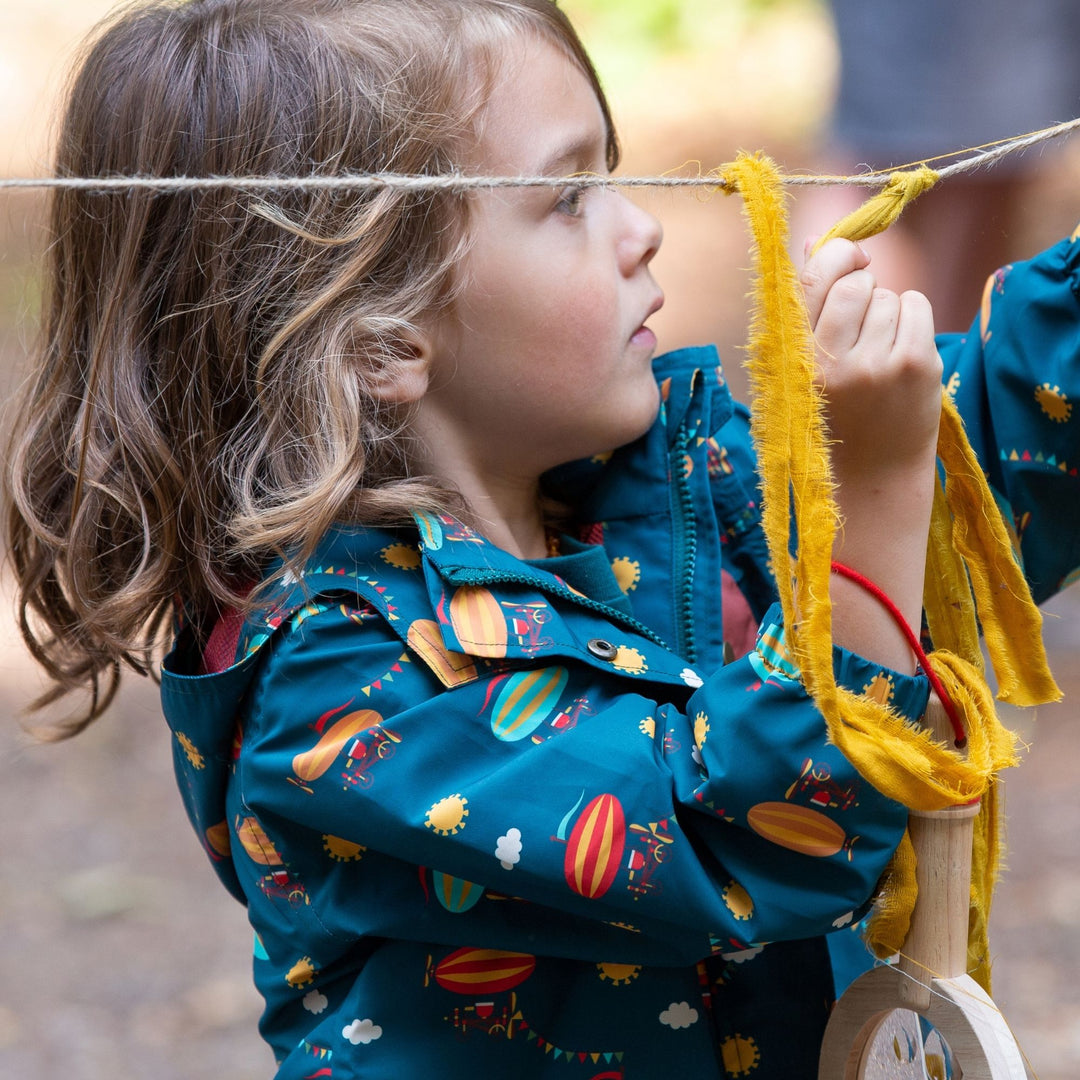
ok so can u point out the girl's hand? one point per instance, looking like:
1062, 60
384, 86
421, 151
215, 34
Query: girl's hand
880, 373
878, 365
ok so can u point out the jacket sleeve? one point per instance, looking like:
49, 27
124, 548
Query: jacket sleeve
667, 824
1015, 377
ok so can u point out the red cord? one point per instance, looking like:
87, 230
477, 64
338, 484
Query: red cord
875, 591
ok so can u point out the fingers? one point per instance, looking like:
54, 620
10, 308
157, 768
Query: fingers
855, 319
916, 326
822, 271
858, 317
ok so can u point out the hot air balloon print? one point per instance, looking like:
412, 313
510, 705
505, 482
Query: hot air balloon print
478, 622
526, 701
595, 848
483, 971
798, 828
455, 894
259, 847
431, 534
311, 764
218, 843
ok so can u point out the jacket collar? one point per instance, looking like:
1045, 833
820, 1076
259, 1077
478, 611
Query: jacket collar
455, 549
493, 607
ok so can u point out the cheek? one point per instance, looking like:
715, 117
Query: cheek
541, 298
582, 312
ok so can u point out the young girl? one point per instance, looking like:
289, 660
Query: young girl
451, 715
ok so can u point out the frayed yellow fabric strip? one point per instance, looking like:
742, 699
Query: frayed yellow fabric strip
987, 846
969, 553
881, 210
947, 599
967, 542
1011, 623
896, 901
787, 421
904, 761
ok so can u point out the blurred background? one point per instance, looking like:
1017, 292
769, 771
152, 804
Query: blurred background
120, 955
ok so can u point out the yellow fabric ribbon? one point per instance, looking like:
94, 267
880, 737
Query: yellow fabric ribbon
968, 557
881, 210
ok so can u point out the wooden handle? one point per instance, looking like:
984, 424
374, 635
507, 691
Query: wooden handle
936, 945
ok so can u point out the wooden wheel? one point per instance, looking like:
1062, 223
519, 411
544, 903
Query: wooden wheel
968, 1021
930, 978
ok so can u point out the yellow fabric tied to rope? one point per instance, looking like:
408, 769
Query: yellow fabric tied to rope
881, 210
971, 572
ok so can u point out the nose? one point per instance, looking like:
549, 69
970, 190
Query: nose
640, 236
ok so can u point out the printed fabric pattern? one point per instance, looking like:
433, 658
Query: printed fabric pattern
1014, 378
493, 820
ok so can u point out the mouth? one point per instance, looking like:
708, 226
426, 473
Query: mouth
643, 335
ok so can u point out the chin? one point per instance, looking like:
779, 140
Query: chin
635, 421
623, 422
650, 406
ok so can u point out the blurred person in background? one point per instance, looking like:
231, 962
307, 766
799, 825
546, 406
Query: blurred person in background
919, 79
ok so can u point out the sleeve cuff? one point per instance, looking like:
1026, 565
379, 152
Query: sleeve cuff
906, 694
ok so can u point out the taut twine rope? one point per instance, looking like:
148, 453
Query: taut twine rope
457, 182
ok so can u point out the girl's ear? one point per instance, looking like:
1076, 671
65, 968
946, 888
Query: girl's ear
406, 380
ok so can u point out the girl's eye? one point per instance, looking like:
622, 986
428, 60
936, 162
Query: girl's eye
570, 201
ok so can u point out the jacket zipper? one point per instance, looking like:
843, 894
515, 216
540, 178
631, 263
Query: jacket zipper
684, 547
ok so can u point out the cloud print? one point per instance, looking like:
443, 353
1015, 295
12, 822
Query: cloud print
361, 1031
679, 1014
508, 849
315, 1002
743, 954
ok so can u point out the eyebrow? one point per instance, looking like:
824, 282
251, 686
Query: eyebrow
575, 156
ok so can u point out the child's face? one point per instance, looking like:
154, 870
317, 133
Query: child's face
546, 357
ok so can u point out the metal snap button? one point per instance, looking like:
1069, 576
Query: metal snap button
602, 650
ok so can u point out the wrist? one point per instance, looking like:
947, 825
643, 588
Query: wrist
877, 474
862, 626
912, 638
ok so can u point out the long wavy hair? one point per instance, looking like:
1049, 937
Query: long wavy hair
202, 398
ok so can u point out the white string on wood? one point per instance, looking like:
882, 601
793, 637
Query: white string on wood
459, 182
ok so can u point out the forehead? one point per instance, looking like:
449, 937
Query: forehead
541, 116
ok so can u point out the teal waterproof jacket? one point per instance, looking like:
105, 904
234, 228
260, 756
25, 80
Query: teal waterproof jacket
495, 818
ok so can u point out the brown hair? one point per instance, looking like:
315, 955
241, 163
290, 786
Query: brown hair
201, 399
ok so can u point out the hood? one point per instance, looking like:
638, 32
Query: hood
202, 711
